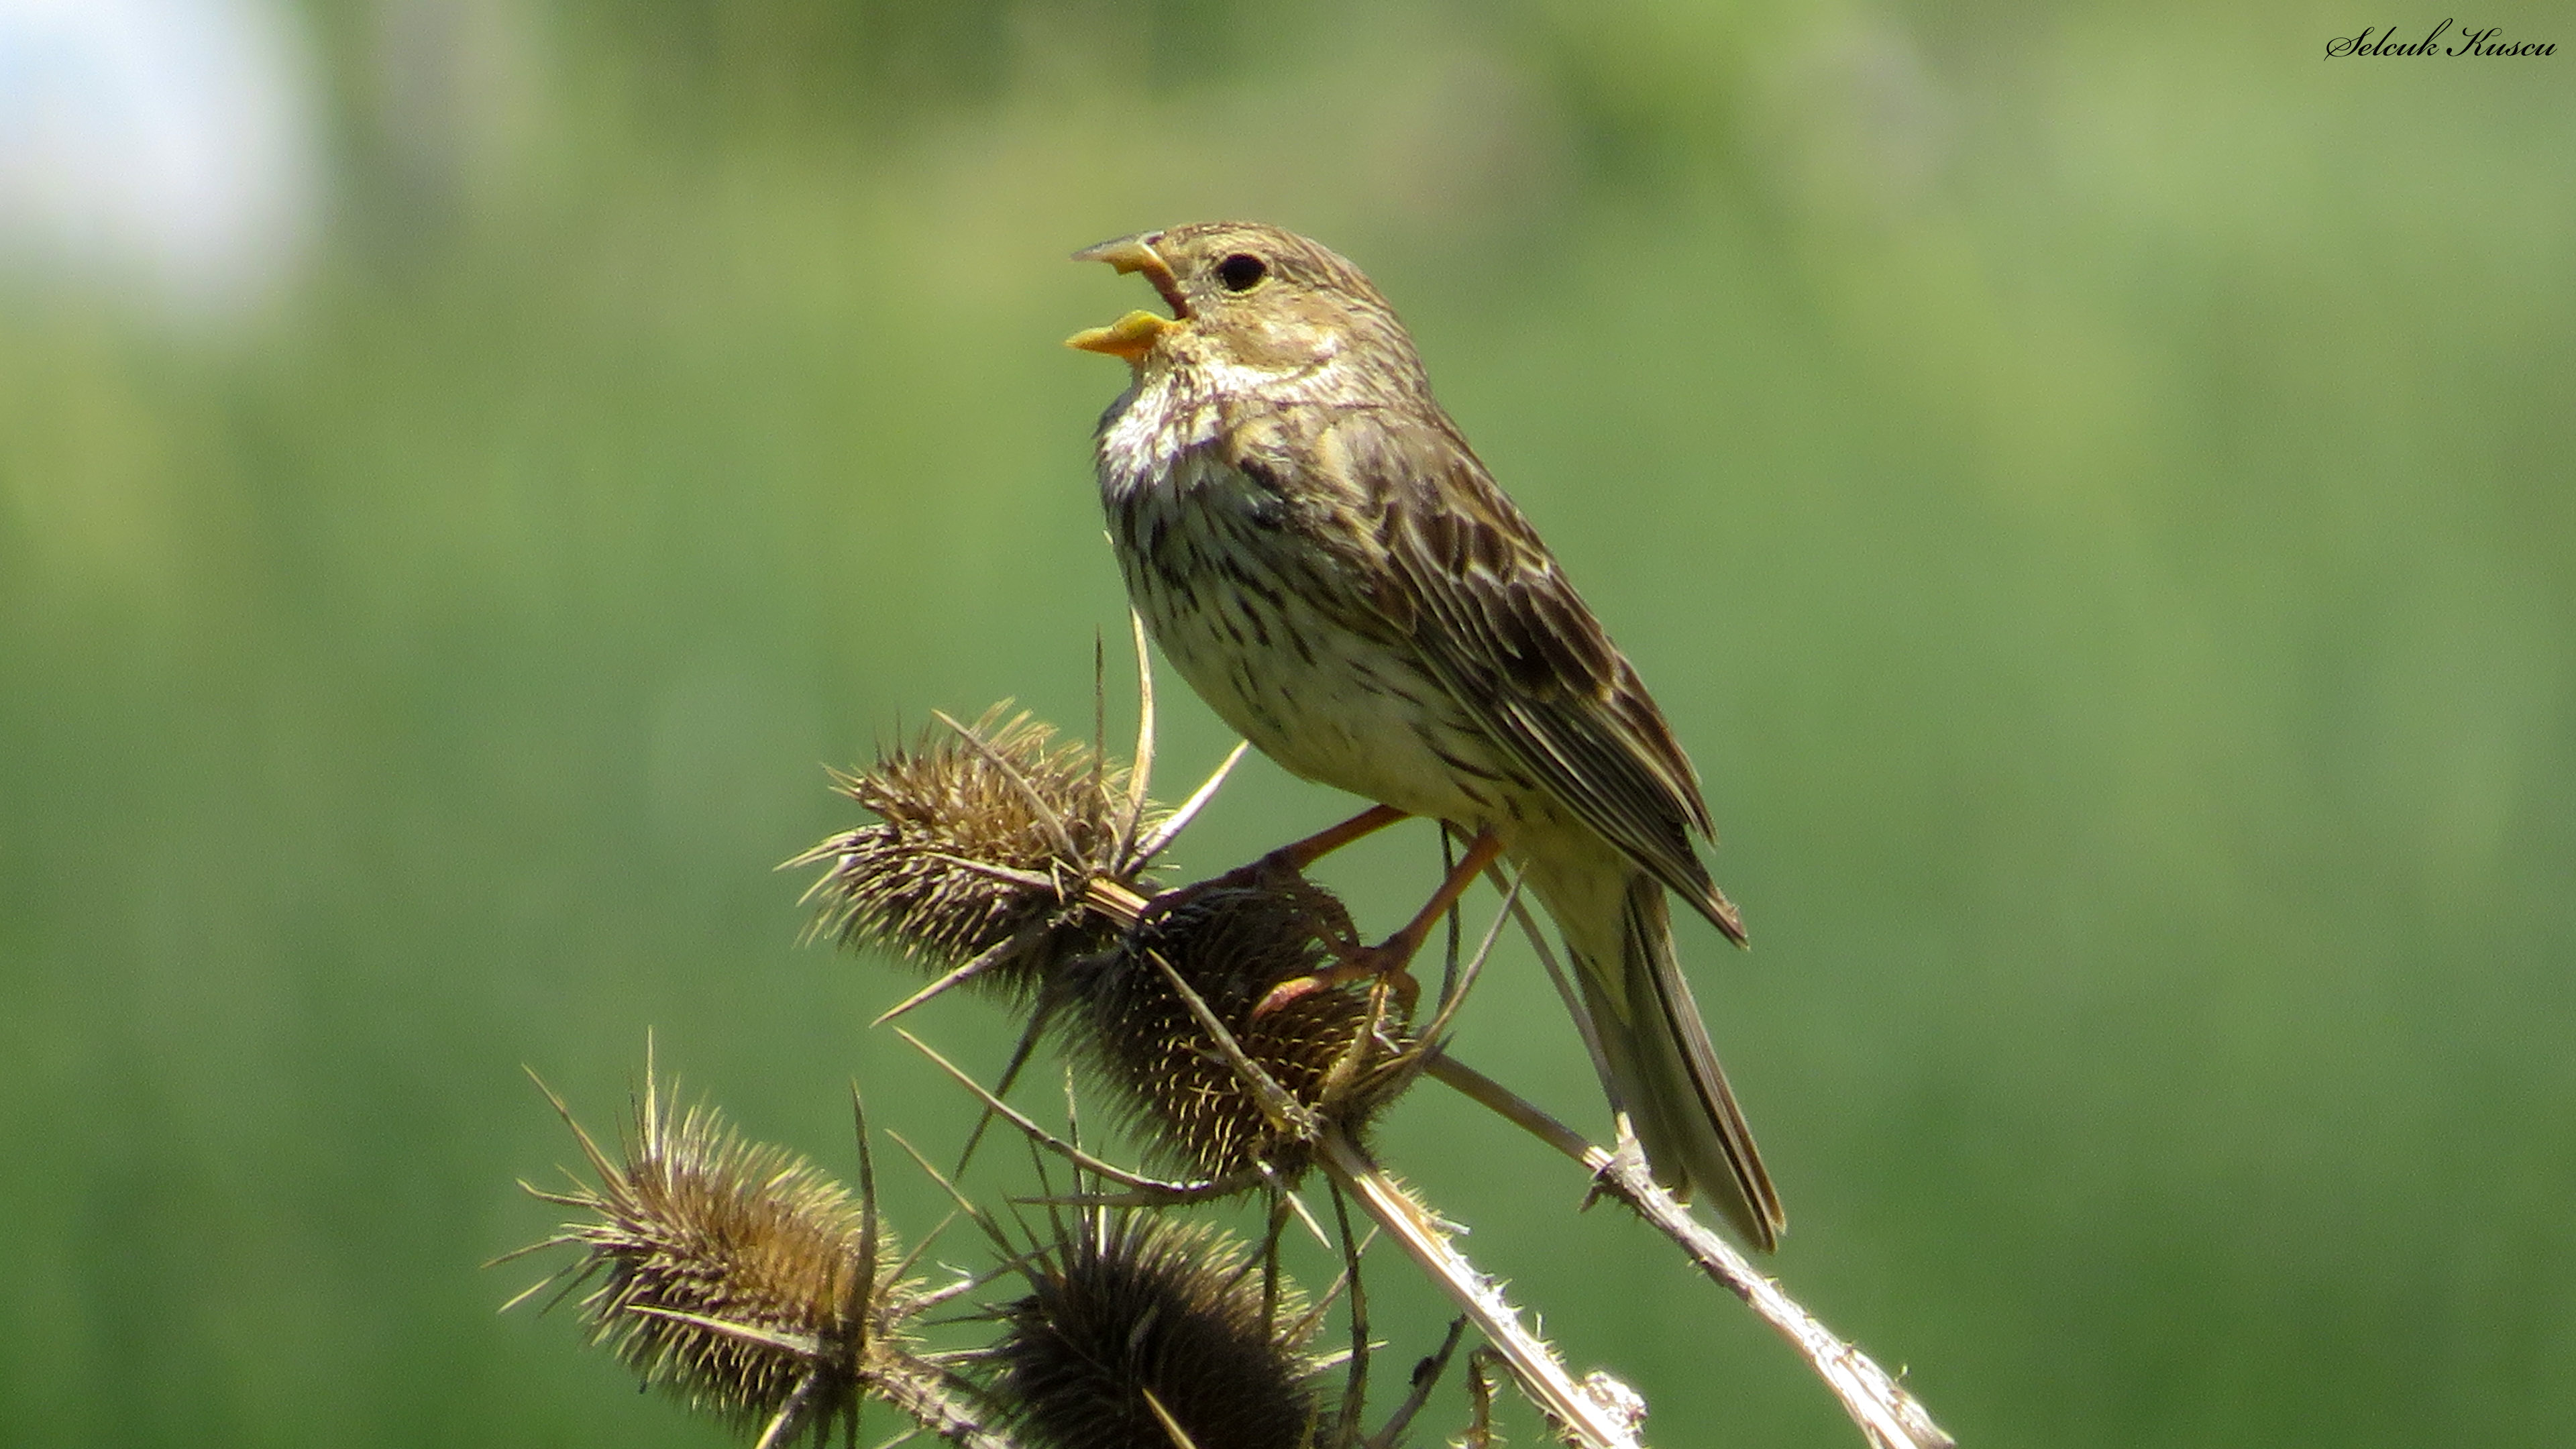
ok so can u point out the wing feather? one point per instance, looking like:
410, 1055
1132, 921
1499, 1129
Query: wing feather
1465, 579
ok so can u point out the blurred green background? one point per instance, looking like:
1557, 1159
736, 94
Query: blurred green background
2094, 487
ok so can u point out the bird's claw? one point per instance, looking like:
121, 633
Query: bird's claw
1358, 963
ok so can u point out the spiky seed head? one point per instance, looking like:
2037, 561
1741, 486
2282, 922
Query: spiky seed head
1131, 1304
735, 1273
1040, 815
1188, 1105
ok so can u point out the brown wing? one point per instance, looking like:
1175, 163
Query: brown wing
1463, 576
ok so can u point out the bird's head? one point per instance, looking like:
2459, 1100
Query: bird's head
1251, 303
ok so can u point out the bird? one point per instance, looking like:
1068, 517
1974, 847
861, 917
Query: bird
1318, 552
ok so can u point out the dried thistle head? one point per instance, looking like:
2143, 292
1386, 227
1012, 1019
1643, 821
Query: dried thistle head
1131, 1312
735, 1273
1335, 1051
985, 838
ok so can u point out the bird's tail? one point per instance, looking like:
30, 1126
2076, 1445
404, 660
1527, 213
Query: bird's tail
1662, 1068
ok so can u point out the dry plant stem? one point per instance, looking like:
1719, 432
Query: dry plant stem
1426, 1241
1426, 1377
1140, 847
1885, 1412
920, 1391
1018, 941
1480, 1402
1115, 900
1171, 1426
1139, 779
1355, 1391
1157, 1192
1396, 1210
1574, 1007
1163, 834
1462, 979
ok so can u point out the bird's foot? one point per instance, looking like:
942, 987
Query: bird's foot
1357, 963
1390, 958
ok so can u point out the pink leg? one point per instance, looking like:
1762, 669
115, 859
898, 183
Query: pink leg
1392, 957
1293, 858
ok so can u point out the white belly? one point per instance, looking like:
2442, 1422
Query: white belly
1327, 702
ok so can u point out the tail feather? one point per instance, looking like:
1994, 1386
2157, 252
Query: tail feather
1662, 1066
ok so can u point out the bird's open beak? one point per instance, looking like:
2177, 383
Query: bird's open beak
1133, 335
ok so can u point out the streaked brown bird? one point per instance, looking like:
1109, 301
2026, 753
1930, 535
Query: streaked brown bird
1323, 558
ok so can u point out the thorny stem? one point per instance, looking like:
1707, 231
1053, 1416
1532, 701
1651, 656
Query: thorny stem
1889, 1416
922, 1392
1426, 1241
1885, 1412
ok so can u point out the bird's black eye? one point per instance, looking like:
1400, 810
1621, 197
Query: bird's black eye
1242, 272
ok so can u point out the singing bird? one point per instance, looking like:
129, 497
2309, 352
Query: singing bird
1320, 554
